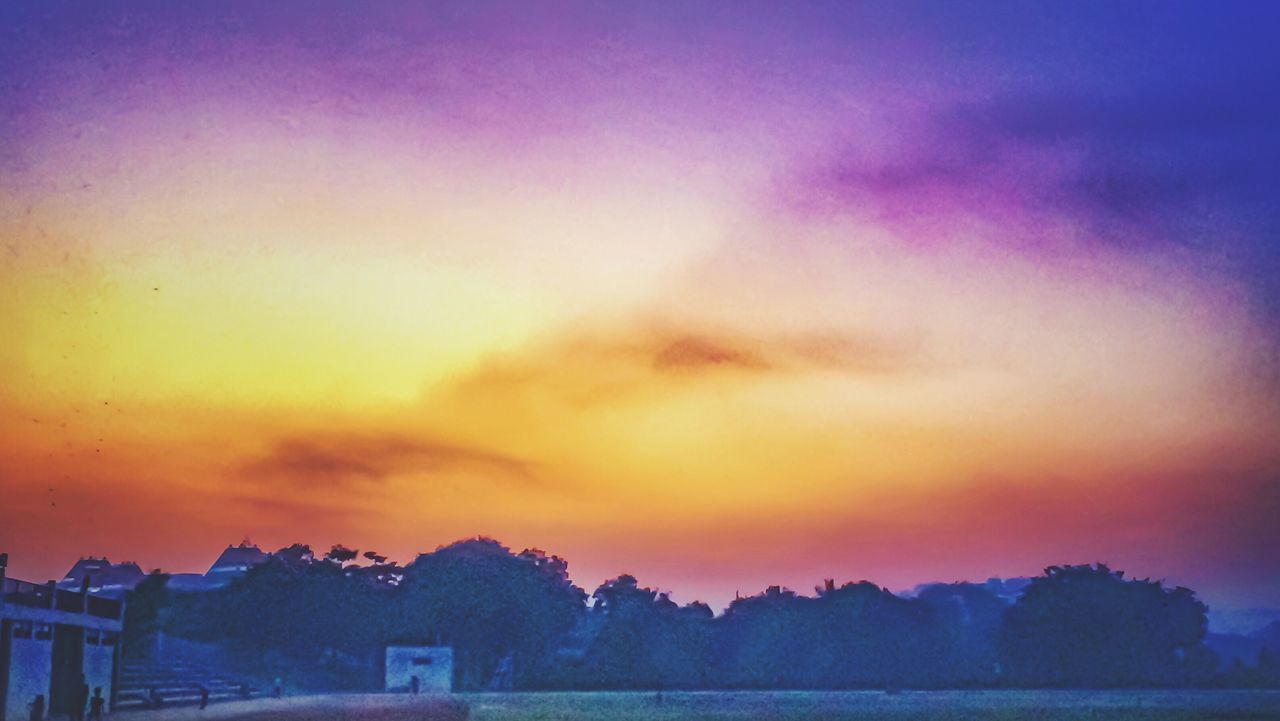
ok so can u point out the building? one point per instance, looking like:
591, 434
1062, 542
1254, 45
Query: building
431, 666
232, 563
48, 638
103, 577
236, 561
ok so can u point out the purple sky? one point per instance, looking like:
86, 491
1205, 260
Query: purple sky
722, 294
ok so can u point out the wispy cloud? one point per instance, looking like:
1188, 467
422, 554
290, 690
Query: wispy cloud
329, 459
1193, 167
691, 353
587, 366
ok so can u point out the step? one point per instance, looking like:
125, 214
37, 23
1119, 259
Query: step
206, 680
142, 702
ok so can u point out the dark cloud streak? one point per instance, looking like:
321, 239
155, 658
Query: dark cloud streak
342, 459
1196, 169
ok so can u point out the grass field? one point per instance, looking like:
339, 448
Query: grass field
744, 706
748, 706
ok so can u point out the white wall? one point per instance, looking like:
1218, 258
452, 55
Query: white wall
97, 665
433, 665
30, 670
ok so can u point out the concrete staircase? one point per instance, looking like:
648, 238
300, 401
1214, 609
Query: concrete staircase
177, 684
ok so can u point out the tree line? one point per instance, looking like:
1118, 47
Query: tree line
516, 621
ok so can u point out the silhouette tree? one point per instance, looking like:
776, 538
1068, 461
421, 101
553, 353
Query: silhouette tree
294, 611
854, 636
646, 640
340, 554
489, 603
296, 555
971, 616
1086, 626
772, 640
1076, 626
145, 611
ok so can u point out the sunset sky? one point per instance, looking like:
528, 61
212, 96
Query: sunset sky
719, 294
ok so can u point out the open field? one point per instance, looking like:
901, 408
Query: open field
734, 706
748, 706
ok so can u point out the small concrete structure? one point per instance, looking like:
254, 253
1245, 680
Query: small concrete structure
432, 666
48, 638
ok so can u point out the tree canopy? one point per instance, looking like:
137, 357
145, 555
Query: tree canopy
516, 620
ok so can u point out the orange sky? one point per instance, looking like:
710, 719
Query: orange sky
291, 298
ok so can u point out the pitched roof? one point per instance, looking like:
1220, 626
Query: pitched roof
102, 573
237, 559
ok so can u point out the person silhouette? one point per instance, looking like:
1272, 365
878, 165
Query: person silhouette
414, 685
96, 704
37, 708
204, 696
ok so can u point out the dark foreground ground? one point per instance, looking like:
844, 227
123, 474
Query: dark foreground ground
747, 706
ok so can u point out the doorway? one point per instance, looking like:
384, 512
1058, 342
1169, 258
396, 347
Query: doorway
68, 667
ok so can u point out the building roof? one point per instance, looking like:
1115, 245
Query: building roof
237, 560
103, 574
